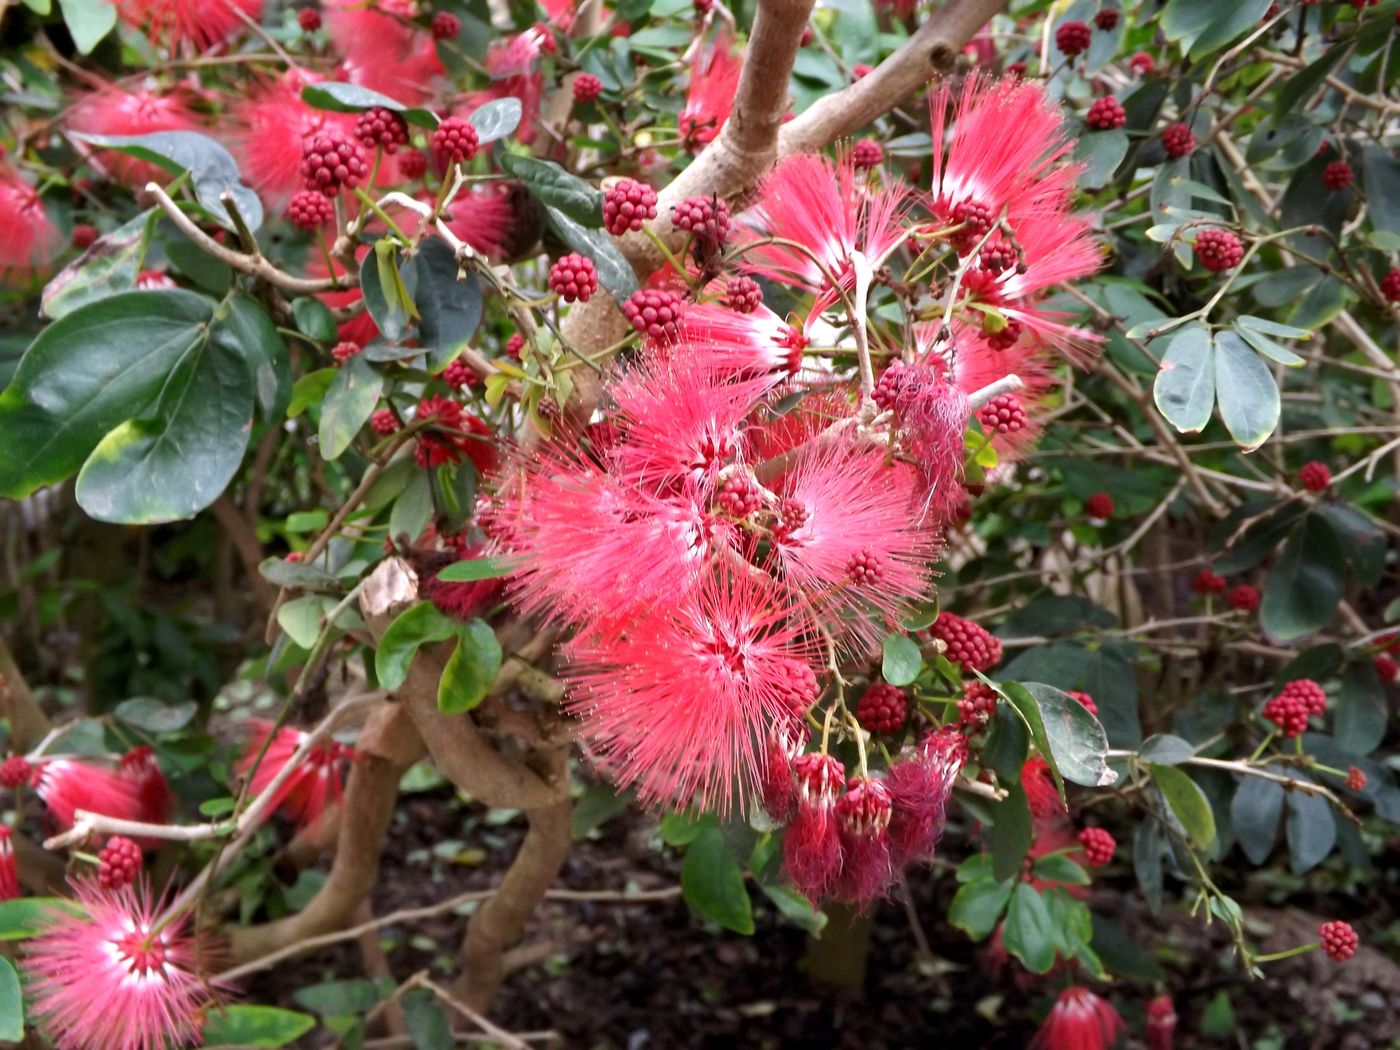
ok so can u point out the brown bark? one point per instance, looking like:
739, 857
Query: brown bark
28, 723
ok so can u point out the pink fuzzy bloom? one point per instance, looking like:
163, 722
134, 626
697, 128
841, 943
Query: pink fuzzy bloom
777, 786
919, 788
67, 785
1079, 1020
812, 842
192, 23
753, 345
28, 237
862, 821
483, 218
383, 50
114, 111
714, 79
678, 700
825, 206
140, 767
854, 508
932, 416
516, 55
119, 975
9, 871
313, 788
272, 125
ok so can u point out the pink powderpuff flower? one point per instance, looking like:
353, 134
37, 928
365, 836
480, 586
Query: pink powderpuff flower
28, 238
140, 767
313, 788
678, 700
919, 789
714, 79
759, 344
189, 24
484, 219
119, 974
812, 842
863, 820
855, 547
516, 55
1079, 1020
9, 871
828, 208
932, 416
1041, 795
456, 435
383, 49
272, 124
115, 111
67, 785
778, 785
682, 420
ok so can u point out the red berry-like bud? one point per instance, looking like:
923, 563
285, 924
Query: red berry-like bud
1086, 700
1073, 38
882, 709
330, 161
1315, 476
994, 257
1107, 19
743, 295
1356, 779
1339, 940
705, 217
1390, 286
1106, 114
15, 771
1178, 140
1016, 70
977, 705
808, 35
1098, 846
1288, 712
345, 350
1161, 1023
384, 422
860, 70
587, 87
655, 313
1309, 693
454, 141
1218, 250
459, 374
1387, 668
1004, 338
83, 236
865, 568
514, 345
295, 557
867, 153
119, 863
446, 26
383, 128
1142, 63
310, 210
703, 7
627, 205
1207, 582
309, 19
1099, 505
1243, 597
574, 278
413, 163
1003, 414
739, 496
967, 644
1337, 175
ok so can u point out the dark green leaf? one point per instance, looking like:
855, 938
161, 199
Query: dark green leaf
1307, 582
428, 1023
295, 574
314, 319
1246, 391
901, 660
1147, 863
88, 21
1185, 386
614, 271
1072, 739
1100, 152
338, 998
11, 1004
1359, 716
450, 310
470, 669
109, 266
348, 404
492, 568
558, 189
1166, 750
340, 97
713, 883
23, 917
1254, 816
1007, 745
1363, 544
1058, 868
1028, 931
1188, 802
495, 119
153, 716
1301, 85
794, 907
1380, 172
255, 1026
977, 906
1311, 830
1237, 17
388, 290
417, 625
243, 328
1011, 834
1121, 953
1265, 531
599, 804
412, 509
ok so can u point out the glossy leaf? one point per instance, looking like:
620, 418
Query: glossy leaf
110, 266
349, 402
1245, 388
495, 119
470, 670
1011, 834
389, 290
614, 271
558, 189
418, 625
1188, 803
1028, 932
339, 97
492, 568
901, 660
713, 883
449, 309
88, 21
1306, 583
1254, 815
978, 906
255, 1026
1185, 386
1312, 832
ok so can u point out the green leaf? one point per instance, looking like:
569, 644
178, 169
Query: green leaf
1166, 750
1301, 85
1007, 745
338, 998
412, 509
88, 21
599, 804
1058, 868
713, 883
155, 716
558, 189
449, 309
614, 271
1188, 802
1380, 173
314, 319
1246, 391
1011, 833
175, 459
349, 402
11, 1004
495, 119
1185, 387
417, 625
1306, 584
1238, 16
428, 1024
388, 290
109, 266
23, 917
339, 97
1076, 742
977, 906
469, 571
1147, 863
794, 907
901, 660
1359, 715
1312, 832
1029, 933
1254, 815
213, 171
243, 328
470, 669
301, 618
256, 1026
1100, 152
309, 390
1266, 346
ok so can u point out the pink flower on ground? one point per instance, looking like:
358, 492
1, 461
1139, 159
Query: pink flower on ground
119, 975
313, 788
714, 79
115, 111
67, 785
1079, 1020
